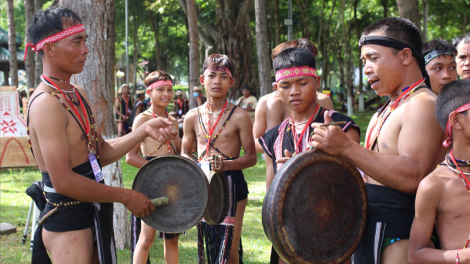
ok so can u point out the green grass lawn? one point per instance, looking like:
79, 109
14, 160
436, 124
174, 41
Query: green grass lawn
14, 205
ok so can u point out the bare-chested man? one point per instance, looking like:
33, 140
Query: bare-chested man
70, 151
443, 197
221, 129
462, 44
403, 140
160, 89
439, 57
123, 107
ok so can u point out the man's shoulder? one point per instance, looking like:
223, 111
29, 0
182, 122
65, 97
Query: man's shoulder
424, 98
238, 113
191, 114
434, 182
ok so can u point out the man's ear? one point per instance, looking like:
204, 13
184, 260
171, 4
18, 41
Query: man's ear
317, 82
454, 120
201, 79
232, 82
406, 56
48, 49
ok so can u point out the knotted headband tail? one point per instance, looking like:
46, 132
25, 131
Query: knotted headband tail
448, 142
296, 71
51, 39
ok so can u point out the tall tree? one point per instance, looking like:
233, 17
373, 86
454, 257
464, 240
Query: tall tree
409, 9
29, 63
193, 52
303, 4
277, 22
38, 60
97, 79
12, 43
264, 65
155, 29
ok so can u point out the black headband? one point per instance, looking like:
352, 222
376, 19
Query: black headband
399, 45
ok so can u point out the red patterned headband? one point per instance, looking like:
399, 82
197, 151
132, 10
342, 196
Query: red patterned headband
448, 141
226, 70
159, 84
296, 71
56, 37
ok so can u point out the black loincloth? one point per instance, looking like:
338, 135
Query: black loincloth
218, 238
98, 216
390, 214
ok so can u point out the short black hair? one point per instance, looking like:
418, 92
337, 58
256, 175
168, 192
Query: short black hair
464, 38
440, 46
216, 61
452, 96
397, 28
48, 22
294, 57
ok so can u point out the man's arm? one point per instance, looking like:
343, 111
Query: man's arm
269, 171
325, 101
133, 158
427, 202
51, 134
418, 145
189, 135
245, 130
259, 127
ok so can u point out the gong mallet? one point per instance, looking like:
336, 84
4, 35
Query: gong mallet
159, 201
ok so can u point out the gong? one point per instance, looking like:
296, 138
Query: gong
217, 207
315, 209
181, 190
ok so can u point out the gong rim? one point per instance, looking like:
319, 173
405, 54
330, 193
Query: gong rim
285, 236
183, 182
218, 205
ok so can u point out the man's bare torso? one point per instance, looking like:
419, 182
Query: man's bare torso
47, 104
228, 142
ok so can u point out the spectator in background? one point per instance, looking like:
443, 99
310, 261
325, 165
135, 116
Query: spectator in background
439, 57
139, 105
248, 102
462, 44
181, 105
123, 109
197, 93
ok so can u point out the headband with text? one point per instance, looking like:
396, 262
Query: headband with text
433, 54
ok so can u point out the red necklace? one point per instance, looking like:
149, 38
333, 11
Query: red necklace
298, 140
382, 117
211, 130
168, 142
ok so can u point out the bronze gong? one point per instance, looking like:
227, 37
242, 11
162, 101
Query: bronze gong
315, 209
185, 186
217, 207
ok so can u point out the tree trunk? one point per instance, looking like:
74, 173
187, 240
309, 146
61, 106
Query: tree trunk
409, 9
97, 79
193, 50
29, 63
277, 22
135, 55
38, 60
12, 44
384, 5
157, 41
264, 67
425, 21
305, 22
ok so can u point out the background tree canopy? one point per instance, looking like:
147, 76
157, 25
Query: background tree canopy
158, 33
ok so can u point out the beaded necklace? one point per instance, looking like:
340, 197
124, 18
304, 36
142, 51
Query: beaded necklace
297, 139
168, 143
50, 84
465, 181
215, 104
58, 79
208, 134
405, 93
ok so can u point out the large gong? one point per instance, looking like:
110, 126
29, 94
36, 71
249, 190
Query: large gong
315, 209
183, 183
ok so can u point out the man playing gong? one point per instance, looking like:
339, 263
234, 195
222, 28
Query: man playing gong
402, 141
221, 129
297, 84
69, 150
